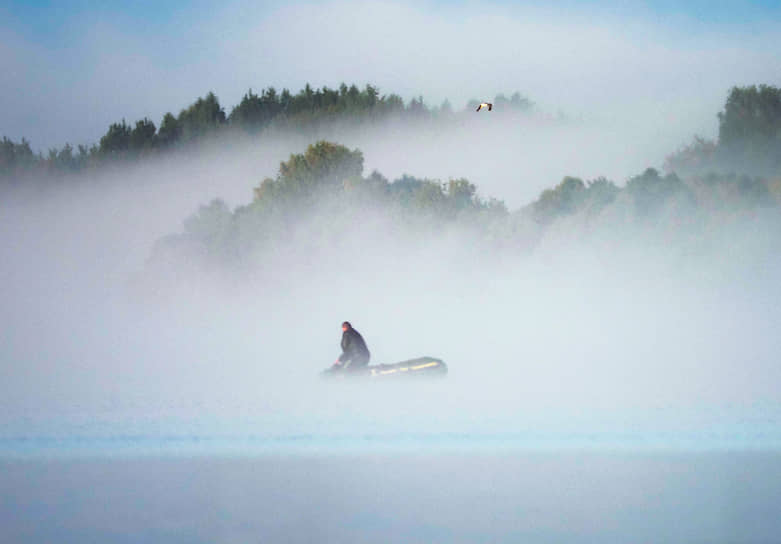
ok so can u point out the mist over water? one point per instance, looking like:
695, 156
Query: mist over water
641, 341
605, 383
613, 374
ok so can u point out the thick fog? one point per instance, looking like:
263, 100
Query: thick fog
633, 336
629, 334
613, 376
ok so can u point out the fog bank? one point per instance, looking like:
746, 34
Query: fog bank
625, 337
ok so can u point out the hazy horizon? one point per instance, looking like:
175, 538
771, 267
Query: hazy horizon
613, 369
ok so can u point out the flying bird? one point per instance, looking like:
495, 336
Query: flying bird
485, 105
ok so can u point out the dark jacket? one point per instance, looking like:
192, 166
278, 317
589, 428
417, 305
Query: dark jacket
354, 348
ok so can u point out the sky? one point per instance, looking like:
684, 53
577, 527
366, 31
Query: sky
75, 67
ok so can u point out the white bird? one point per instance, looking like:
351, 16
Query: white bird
485, 105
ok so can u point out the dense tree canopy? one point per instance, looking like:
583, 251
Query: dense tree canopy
15, 157
203, 117
571, 196
325, 186
322, 193
206, 118
749, 140
751, 120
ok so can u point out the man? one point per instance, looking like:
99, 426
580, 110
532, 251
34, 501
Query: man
355, 354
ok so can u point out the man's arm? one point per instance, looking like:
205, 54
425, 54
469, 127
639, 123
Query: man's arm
346, 346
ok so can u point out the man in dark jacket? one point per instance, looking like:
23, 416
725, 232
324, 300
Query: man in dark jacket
355, 354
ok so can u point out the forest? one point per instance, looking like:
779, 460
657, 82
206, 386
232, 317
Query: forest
206, 119
319, 196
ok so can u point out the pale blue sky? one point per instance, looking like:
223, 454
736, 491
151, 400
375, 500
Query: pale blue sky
74, 67
45, 17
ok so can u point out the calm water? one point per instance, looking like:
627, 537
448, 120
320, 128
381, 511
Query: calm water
184, 431
522, 497
227, 474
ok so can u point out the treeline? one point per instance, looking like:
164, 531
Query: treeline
324, 193
206, 118
749, 140
319, 197
325, 187
652, 195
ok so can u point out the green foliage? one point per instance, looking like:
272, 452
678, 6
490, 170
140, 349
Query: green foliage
311, 105
564, 199
428, 196
309, 108
749, 137
320, 196
600, 193
116, 142
700, 155
461, 192
143, 136
751, 120
650, 191
515, 102
65, 161
443, 200
732, 191
213, 228
417, 107
326, 181
322, 165
201, 118
15, 158
170, 131
121, 140
404, 188
255, 112
730, 173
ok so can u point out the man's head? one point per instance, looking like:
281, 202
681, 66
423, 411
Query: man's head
346, 326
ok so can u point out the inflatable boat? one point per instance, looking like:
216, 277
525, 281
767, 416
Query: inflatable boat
422, 366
